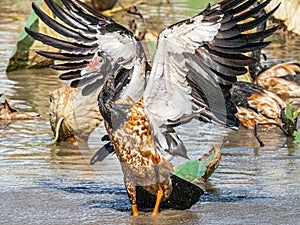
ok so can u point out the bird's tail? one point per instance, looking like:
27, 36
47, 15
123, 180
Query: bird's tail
184, 195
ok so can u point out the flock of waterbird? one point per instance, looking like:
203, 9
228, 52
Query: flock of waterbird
193, 76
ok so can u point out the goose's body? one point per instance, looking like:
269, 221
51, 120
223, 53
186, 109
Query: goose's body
142, 163
196, 62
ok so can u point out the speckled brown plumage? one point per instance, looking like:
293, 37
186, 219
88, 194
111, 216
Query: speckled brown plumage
256, 105
141, 161
282, 79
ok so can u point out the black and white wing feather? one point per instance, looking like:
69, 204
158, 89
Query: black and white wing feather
91, 38
196, 62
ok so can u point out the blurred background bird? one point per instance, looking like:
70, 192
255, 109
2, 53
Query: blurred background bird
282, 79
73, 117
196, 63
257, 106
8, 112
263, 101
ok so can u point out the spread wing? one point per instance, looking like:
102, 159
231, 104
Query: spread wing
196, 62
92, 39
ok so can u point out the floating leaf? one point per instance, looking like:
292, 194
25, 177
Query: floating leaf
200, 169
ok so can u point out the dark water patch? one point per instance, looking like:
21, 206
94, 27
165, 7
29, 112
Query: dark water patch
104, 195
120, 204
234, 195
86, 188
93, 188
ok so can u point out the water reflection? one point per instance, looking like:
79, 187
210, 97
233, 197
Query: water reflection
32, 89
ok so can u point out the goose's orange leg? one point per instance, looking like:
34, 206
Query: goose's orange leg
134, 210
159, 196
132, 196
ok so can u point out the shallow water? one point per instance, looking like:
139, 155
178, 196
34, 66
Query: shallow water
54, 185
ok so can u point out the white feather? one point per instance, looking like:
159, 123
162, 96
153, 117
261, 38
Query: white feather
168, 95
118, 47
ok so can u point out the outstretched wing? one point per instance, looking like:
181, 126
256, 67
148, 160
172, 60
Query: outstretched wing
92, 37
196, 62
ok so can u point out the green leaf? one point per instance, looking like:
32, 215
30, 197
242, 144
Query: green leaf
296, 137
292, 118
295, 115
289, 112
31, 22
21, 56
199, 169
